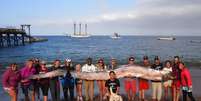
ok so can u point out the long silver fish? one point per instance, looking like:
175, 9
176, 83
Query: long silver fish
122, 71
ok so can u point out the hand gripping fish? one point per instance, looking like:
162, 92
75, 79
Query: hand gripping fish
122, 71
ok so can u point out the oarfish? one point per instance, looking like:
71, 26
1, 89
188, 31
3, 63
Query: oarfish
121, 72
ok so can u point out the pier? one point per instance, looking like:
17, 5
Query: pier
14, 37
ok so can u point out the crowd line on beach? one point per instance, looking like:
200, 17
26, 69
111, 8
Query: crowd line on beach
179, 85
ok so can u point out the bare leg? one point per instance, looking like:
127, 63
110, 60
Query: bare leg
44, 98
32, 95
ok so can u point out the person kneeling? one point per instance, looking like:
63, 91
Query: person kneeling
112, 85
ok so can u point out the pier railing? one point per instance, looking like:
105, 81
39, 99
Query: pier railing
12, 37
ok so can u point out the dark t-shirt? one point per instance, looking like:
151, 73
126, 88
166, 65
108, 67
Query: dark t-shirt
157, 67
114, 84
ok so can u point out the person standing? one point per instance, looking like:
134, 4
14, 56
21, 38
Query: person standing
89, 84
143, 83
78, 83
54, 82
68, 81
167, 84
101, 83
26, 84
68, 65
113, 64
157, 85
10, 80
130, 82
36, 65
44, 82
177, 78
68, 86
186, 82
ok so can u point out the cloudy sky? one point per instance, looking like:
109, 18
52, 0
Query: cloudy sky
128, 17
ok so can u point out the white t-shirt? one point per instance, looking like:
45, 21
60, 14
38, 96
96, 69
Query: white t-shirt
87, 68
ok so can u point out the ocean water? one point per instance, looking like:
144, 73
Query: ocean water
61, 47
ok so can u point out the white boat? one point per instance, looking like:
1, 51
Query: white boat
80, 34
166, 38
115, 36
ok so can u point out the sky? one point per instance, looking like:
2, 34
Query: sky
104, 17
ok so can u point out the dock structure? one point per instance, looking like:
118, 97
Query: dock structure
14, 37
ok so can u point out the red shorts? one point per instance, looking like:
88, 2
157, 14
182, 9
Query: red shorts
143, 84
176, 84
130, 85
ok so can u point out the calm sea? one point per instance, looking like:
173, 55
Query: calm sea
61, 47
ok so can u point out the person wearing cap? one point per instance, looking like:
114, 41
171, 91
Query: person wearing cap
130, 83
68, 65
101, 83
89, 84
54, 82
186, 82
177, 78
143, 83
68, 81
44, 82
10, 80
113, 64
157, 85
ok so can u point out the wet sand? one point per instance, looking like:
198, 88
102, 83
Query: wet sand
195, 73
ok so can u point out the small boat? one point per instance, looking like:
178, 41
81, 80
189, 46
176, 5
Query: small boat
166, 38
115, 36
195, 41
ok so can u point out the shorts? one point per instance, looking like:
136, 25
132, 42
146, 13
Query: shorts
26, 89
176, 84
78, 81
44, 89
168, 83
130, 85
143, 84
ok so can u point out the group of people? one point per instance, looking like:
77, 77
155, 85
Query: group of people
180, 81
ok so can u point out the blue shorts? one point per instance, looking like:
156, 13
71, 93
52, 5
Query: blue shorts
26, 89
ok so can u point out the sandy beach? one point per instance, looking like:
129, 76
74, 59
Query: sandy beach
195, 73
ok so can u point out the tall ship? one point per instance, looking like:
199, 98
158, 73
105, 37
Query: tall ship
80, 34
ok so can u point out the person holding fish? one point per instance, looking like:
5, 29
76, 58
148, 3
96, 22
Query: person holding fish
143, 83
54, 82
112, 85
130, 82
68, 81
78, 83
89, 84
101, 67
27, 84
44, 82
157, 84
11, 78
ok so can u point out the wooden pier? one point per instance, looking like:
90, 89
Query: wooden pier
14, 37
